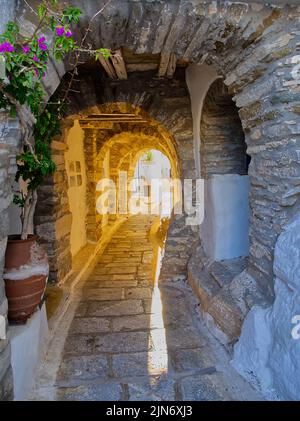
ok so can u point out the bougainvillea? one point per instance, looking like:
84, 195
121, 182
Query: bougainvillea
21, 92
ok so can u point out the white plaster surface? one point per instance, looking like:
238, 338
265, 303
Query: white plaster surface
27, 344
14, 219
225, 228
199, 79
268, 351
2, 327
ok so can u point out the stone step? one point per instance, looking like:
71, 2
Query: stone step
221, 274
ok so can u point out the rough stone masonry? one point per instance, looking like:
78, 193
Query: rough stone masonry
255, 48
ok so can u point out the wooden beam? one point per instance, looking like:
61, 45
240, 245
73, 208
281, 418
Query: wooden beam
113, 121
119, 64
100, 125
141, 67
108, 67
111, 115
167, 65
172, 65
163, 66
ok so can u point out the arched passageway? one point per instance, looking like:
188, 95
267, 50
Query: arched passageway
114, 135
125, 338
122, 323
252, 47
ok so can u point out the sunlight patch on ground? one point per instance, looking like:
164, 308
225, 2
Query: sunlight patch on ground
157, 361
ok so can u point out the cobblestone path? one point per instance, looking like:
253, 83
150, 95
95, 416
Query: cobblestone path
131, 340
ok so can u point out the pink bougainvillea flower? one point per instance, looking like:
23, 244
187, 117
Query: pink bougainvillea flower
6, 47
43, 47
26, 49
69, 34
36, 72
60, 30
42, 44
34, 58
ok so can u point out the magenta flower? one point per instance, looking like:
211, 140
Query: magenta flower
69, 34
6, 47
43, 47
60, 30
36, 72
34, 58
26, 49
42, 44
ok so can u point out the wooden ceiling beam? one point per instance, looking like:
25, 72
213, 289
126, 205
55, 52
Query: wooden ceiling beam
112, 121
111, 115
167, 65
163, 65
119, 64
108, 67
172, 65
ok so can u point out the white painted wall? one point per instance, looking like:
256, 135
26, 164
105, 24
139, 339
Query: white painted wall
224, 231
15, 226
76, 193
199, 79
268, 351
160, 169
14, 211
27, 344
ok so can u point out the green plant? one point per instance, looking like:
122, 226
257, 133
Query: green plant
22, 93
148, 157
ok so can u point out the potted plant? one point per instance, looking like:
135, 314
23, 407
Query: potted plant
26, 60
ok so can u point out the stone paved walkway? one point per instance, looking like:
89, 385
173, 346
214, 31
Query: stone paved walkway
123, 338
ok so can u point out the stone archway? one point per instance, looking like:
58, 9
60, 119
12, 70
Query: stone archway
124, 143
223, 147
229, 36
252, 46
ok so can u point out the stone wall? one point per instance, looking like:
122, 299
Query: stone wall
255, 48
269, 346
223, 147
166, 104
9, 146
52, 217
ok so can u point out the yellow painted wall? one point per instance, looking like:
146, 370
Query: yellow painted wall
105, 175
77, 186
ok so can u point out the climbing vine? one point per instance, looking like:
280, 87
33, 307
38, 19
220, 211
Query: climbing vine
26, 60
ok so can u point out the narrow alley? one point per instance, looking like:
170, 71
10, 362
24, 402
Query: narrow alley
130, 339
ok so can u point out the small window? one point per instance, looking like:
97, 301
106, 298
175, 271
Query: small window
72, 181
75, 176
78, 167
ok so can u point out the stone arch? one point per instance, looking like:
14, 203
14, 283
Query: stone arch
224, 233
223, 147
253, 47
124, 145
247, 44
125, 148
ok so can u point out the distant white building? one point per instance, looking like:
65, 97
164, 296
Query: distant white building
152, 186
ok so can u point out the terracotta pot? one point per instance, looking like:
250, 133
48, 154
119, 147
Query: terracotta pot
25, 277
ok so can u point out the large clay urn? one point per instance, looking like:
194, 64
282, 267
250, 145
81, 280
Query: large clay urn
25, 276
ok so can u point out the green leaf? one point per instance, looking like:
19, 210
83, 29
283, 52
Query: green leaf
41, 10
13, 111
